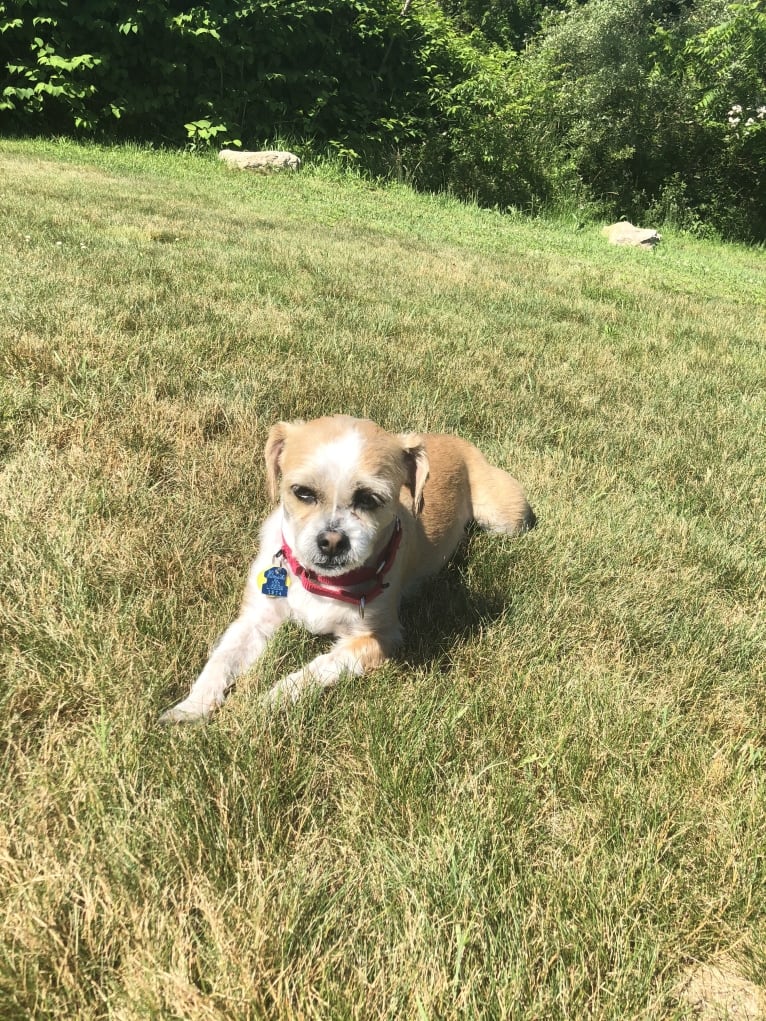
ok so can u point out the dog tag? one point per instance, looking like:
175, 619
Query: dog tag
274, 582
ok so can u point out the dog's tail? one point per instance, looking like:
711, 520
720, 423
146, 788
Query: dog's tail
499, 502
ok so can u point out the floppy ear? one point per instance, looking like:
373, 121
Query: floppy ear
416, 463
273, 454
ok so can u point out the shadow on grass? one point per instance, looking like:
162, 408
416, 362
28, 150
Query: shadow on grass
447, 610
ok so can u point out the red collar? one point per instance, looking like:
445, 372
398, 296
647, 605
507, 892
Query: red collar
337, 586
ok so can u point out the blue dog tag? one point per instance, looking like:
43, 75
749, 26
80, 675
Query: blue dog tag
274, 582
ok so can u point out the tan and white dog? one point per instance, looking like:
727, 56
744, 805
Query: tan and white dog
364, 515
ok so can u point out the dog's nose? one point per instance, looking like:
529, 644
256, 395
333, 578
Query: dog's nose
331, 542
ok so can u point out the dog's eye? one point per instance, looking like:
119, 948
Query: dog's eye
304, 494
366, 500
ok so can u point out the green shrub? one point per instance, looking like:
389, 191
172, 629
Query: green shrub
659, 112
165, 71
476, 138
724, 71
611, 99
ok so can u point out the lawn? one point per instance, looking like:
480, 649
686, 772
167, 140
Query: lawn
552, 803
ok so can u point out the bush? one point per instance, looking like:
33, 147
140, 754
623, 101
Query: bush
477, 138
723, 67
611, 100
164, 71
657, 112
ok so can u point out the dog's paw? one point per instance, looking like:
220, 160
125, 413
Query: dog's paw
284, 693
184, 712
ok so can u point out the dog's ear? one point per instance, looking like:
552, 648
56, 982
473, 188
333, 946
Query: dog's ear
416, 463
273, 454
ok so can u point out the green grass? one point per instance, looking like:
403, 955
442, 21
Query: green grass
553, 801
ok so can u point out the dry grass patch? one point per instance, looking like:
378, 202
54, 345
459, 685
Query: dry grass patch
719, 992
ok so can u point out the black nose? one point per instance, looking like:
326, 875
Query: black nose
331, 542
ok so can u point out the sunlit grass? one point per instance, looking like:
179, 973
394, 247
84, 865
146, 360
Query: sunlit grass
552, 802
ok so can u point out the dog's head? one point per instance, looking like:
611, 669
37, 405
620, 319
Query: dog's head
340, 481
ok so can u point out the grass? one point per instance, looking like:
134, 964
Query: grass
552, 803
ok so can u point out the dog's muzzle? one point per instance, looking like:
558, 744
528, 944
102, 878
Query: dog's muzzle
333, 546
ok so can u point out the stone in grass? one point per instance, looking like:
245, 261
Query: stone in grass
264, 162
719, 992
624, 233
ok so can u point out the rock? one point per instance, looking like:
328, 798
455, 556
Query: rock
625, 233
261, 162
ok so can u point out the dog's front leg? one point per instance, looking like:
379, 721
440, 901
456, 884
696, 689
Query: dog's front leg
354, 656
239, 647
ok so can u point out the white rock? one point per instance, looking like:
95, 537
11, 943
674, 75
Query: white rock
261, 162
625, 233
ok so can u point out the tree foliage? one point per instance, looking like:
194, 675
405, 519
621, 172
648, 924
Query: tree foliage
503, 24
163, 69
662, 112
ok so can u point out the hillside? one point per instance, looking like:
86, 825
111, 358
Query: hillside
551, 804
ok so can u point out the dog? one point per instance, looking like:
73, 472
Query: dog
363, 516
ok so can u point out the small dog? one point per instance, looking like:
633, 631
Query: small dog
364, 515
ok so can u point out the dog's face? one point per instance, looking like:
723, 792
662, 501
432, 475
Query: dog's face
340, 480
